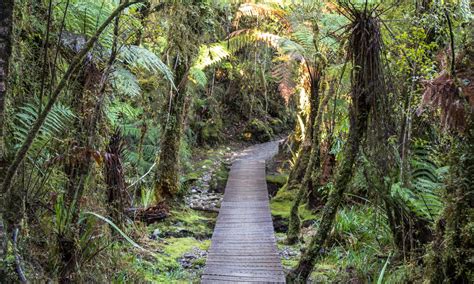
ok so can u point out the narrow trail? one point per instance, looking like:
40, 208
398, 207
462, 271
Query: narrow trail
243, 247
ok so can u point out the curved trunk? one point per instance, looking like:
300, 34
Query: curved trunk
298, 171
312, 165
351, 150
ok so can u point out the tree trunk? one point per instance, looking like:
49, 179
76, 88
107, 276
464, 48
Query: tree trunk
313, 164
6, 23
319, 176
356, 134
365, 84
114, 179
167, 174
78, 163
298, 171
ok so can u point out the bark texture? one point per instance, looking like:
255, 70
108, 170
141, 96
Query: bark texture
312, 164
6, 23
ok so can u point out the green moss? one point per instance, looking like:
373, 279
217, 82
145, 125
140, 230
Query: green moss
176, 247
277, 125
282, 202
279, 179
165, 267
195, 223
282, 208
219, 178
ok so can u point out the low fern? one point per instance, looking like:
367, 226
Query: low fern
423, 194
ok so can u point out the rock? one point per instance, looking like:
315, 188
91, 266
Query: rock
280, 224
155, 235
219, 179
288, 252
190, 259
307, 223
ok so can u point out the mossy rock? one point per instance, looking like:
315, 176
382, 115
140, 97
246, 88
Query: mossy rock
278, 179
275, 182
280, 205
257, 130
211, 131
219, 178
276, 125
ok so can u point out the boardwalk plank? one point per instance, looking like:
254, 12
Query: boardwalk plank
243, 248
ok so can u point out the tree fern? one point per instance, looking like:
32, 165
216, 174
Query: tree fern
85, 16
261, 10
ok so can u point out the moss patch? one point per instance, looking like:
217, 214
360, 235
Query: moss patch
219, 178
282, 202
278, 179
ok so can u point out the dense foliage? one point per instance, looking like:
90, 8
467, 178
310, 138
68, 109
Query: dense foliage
115, 114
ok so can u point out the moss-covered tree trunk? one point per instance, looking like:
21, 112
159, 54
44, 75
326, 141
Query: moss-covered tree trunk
351, 150
366, 78
312, 164
114, 179
321, 175
298, 171
167, 174
451, 252
6, 22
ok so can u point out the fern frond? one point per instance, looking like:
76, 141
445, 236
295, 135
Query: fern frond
197, 76
423, 196
56, 124
261, 10
84, 17
142, 58
125, 83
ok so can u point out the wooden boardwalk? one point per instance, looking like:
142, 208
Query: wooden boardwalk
243, 247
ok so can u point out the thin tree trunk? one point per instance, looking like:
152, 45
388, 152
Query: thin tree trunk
298, 171
306, 263
312, 165
167, 174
